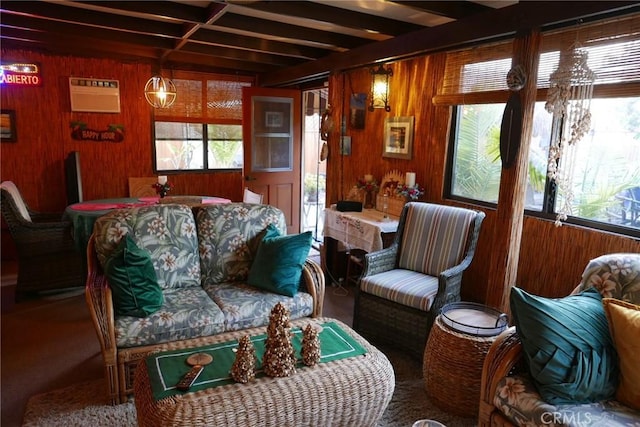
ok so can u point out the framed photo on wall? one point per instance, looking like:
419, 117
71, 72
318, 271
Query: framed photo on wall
8, 126
273, 119
398, 137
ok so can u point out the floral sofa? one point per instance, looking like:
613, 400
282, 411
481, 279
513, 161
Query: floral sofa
509, 395
201, 263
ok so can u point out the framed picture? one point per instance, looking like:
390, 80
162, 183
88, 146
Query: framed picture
398, 137
8, 126
273, 119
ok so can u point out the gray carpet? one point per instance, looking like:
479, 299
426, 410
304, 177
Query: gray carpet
84, 404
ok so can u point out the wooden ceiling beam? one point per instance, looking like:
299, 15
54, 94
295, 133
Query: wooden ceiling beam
258, 44
334, 16
449, 9
282, 29
90, 18
482, 27
180, 12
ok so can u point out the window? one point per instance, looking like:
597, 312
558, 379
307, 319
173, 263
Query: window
202, 131
186, 146
606, 172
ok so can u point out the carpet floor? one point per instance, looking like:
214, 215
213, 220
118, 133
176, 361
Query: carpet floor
83, 404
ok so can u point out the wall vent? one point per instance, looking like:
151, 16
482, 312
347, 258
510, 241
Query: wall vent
94, 95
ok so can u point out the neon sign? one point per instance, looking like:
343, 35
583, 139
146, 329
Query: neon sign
20, 74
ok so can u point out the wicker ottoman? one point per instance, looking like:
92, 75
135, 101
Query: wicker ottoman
452, 368
347, 392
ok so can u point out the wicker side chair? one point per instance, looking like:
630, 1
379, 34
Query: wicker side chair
47, 258
403, 287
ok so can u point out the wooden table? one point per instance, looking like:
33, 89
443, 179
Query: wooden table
350, 391
368, 231
84, 214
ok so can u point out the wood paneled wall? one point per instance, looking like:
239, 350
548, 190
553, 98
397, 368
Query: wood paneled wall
551, 258
43, 116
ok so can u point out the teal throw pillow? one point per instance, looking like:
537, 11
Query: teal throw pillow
134, 286
278, 264
567, 346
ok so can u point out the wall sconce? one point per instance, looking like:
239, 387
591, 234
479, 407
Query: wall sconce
160, 92
380, 88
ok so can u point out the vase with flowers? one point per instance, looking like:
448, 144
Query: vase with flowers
369, 186
162, 187
410, 192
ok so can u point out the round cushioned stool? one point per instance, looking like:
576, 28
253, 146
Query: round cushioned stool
452, 367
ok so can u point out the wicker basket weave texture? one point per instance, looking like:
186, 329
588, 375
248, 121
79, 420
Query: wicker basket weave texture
452, 368
347, 392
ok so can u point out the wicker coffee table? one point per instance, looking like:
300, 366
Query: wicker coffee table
352, 391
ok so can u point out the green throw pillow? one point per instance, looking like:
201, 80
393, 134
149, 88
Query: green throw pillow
133, 281
278, 264
567, 346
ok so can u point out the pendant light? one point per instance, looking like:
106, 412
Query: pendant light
160, 92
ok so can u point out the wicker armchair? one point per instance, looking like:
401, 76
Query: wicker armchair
47, 258
403, 287
508, 396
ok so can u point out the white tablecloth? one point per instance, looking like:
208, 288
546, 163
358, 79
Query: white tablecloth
361, 230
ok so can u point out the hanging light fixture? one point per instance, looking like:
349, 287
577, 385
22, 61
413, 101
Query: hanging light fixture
380, 88
569, 100
160, 92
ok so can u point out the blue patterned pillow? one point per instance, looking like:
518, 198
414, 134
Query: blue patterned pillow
278, 264
567, 346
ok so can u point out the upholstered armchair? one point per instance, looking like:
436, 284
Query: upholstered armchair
508, 394
403, 287
47, 258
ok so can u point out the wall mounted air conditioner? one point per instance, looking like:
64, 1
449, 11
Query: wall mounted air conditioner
94, 95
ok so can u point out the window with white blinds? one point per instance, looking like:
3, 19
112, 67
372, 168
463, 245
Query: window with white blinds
606, 171
202, 130
478, 75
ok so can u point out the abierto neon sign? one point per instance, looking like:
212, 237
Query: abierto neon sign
20, 74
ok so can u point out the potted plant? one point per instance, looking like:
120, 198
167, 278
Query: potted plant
314, 186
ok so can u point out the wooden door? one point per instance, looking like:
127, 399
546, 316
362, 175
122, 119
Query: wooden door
272, 146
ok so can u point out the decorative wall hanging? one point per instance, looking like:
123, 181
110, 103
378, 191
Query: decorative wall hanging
569, 100
114, 133
326, 124
357, 104
8, 126
398, 137
511, 127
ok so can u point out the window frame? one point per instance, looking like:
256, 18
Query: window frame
205, 149
547, 212
201, 112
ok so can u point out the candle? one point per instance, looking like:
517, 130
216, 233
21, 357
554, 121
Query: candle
162, 179
368, 178
410, 179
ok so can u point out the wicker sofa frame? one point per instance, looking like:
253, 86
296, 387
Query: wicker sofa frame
120, 363
47, 256
382, 320
506, 354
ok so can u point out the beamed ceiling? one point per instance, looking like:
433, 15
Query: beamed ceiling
284, 42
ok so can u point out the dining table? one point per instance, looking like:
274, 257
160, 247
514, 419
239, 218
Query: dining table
83, 215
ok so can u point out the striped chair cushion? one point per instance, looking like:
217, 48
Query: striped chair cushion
405, 287
435, 237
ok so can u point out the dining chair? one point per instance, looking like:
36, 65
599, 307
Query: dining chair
142, 186
403, 287
47, 257
251, 197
